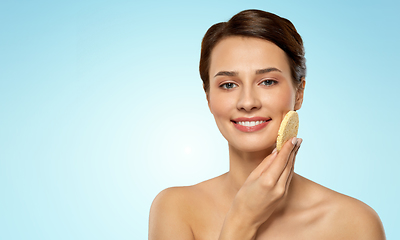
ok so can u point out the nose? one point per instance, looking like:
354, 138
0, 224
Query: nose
248, 100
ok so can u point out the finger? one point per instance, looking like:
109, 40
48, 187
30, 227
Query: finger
289, 180
283, 180
289, 171
294, 160
277, 167
293, 154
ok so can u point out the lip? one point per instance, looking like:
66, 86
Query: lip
244, 119
253, 128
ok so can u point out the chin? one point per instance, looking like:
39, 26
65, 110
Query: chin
254, 147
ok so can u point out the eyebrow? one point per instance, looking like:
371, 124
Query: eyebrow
267, 70
234, 73
227, 73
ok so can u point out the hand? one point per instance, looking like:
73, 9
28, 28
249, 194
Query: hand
266, 186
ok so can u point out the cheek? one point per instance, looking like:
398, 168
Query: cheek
282, 100
220, 106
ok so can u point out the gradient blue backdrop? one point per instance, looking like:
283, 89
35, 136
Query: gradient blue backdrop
101, 107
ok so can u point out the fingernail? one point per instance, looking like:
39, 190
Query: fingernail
299, 141
294, 141
273, 151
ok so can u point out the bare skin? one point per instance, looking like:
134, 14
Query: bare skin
260, 197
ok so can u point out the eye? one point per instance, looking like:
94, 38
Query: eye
268, 82
228, 85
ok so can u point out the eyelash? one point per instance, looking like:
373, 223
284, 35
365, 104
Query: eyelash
273, 82
225, 85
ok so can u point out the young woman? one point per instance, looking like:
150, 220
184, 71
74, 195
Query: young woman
253, 70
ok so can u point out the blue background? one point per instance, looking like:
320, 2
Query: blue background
102, 107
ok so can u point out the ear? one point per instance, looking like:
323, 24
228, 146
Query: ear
300, 94
208, 101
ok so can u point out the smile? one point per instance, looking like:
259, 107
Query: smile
250, 124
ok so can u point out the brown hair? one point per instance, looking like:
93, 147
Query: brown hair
258, 24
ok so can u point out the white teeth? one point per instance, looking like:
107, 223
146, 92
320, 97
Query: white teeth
250, 124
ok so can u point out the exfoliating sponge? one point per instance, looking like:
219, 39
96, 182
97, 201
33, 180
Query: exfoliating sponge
288, 129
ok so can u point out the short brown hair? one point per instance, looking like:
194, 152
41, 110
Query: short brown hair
258, 24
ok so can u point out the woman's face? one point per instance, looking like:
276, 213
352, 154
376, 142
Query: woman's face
251, 90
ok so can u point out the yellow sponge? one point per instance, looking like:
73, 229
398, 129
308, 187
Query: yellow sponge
288, 129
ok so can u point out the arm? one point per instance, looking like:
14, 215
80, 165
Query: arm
262, 192
167, 217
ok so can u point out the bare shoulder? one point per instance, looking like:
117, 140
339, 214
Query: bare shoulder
172, 211
171, 200
168, 214
346, 217
355, 219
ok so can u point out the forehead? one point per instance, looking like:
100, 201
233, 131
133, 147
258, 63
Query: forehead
245, 54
